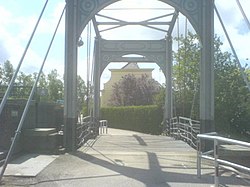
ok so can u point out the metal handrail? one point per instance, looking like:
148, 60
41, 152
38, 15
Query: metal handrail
2, 162
89, 127
185, 129
103, 128
85, 129
215, 157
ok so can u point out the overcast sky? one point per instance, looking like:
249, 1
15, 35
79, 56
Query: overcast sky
18, 18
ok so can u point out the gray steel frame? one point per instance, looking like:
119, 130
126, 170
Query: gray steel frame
107, 51
79, 12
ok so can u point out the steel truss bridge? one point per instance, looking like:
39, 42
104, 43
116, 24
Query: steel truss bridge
78, 13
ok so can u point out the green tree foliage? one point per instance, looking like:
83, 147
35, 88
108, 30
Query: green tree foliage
132, 91
49, 88
24, 85
1, 75
81, 93
55, 86
42, 87
186, 79
232, 99
7, 72
159, 98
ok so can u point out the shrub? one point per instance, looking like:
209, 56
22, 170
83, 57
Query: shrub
145, 119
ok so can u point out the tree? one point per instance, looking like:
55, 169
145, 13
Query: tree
232, 99
1, 75
186, 76
81, 93
55, 86
132, 91
159, 98
42, 87
23, 86
8, 72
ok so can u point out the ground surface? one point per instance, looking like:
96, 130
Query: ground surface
120, 158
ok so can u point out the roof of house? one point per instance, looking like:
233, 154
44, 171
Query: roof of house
131, 65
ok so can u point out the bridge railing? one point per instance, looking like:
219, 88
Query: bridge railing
184, 129
103, 127
86, 128
2, 159
214, 154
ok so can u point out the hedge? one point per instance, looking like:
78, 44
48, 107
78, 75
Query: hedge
145, 119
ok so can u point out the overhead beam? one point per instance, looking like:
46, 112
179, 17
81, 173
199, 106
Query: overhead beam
97, 32
173, 21
149, 23
132, 59
123, 23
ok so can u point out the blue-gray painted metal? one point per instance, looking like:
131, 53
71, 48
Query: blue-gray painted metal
218, 140
200, 14
85, 130
185, 129
192, 9
151, 50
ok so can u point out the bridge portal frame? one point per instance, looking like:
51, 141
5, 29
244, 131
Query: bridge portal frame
79, 12
154, 51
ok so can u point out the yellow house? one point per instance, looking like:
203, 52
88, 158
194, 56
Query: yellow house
117, 74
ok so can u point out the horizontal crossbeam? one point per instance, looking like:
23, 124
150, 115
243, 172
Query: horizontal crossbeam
151, 23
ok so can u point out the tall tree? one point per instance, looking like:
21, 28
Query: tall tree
132, 91
8, 72
232, 99
186, 75
1, 75
24, 84
55, 86
81, 93
42, 87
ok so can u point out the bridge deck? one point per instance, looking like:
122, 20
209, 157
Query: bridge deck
126, 158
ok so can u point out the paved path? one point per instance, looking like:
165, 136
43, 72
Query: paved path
127, 159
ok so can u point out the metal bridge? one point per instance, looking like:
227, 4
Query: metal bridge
127, 158
77, 133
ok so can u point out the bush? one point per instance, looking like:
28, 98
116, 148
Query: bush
145, 119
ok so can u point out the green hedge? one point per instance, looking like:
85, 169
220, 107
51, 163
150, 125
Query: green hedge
145, 119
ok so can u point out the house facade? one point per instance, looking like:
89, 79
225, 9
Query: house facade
116, 76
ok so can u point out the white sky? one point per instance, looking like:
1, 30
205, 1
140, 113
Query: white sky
18, 18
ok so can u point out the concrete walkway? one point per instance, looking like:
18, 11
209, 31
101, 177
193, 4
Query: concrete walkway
126, 159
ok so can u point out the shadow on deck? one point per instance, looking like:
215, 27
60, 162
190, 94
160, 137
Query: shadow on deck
123, 158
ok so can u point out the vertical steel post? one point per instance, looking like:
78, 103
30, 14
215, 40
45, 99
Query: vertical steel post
70, 79
199, 157
216, 164
97, 74
168, 99
207, 68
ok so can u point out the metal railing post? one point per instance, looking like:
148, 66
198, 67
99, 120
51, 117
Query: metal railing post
216, 164
190, 132
199, 158
103, 126
106, 127
170, 125
217, 140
